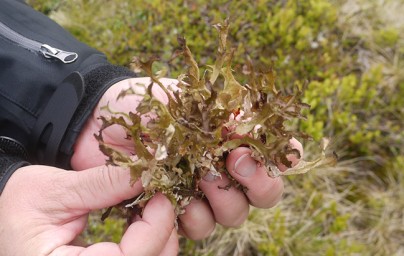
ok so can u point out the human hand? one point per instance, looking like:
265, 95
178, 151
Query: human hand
43, 209
228, 208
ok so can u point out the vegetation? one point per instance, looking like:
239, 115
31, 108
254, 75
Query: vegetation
349, 56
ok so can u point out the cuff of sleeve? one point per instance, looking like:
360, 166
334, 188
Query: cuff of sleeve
8, 165
97, 81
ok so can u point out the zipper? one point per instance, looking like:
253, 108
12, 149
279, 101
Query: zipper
46, 50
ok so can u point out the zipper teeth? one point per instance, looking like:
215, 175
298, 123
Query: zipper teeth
15, 37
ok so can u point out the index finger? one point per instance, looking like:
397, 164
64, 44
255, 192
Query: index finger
262, 190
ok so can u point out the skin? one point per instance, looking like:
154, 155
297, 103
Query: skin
45, 220
43, 209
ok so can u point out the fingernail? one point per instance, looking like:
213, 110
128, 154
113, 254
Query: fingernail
209, 177
245, 166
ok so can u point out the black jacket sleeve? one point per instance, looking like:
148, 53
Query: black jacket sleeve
49, 84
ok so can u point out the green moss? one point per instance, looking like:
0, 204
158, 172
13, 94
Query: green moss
45, 6
109, 230
387, 37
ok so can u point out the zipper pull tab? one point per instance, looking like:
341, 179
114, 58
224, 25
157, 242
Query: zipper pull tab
52, 52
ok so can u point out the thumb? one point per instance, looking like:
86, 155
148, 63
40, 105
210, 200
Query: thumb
100, 187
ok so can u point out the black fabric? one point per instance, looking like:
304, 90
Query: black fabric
30, 84
51, 125
105, 75
12, 147
12, 156
8, 165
